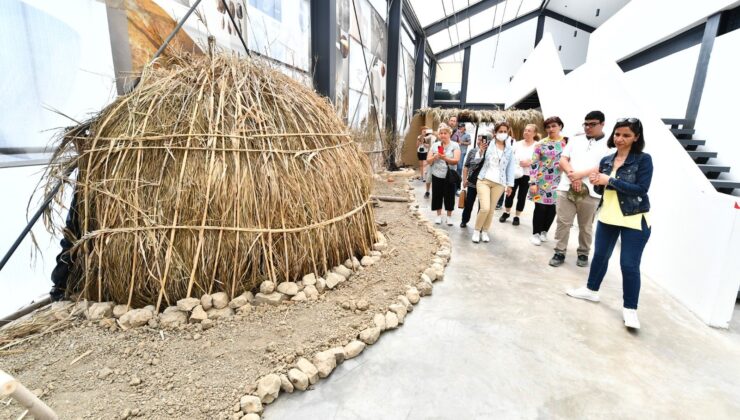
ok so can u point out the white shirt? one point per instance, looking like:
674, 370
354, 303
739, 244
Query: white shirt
522, 152
493, 173
583, 153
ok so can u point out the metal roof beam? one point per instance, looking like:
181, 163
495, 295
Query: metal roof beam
461, 15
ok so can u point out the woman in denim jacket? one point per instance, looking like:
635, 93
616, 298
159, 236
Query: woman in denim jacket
495, 177
624, 180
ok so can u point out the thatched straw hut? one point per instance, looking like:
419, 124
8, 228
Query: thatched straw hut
213, 175
431, 117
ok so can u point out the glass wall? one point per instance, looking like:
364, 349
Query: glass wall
361, 58
448, 78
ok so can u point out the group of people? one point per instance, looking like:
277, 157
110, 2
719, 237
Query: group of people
567, 179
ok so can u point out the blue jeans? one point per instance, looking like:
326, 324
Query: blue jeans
633, 243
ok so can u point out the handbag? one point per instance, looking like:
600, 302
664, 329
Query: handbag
452, 176
461, 199
475, 169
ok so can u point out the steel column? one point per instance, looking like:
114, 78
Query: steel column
323, 46
702, 63
419, 71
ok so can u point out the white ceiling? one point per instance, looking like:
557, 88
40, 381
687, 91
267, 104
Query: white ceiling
430, 11
585, 11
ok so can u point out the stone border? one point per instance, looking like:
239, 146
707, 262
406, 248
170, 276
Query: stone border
305, 373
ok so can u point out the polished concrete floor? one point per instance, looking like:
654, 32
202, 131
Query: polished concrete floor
500, 339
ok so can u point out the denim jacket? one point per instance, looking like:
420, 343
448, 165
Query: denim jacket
506, 165
632, 182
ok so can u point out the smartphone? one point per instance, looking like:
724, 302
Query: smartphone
440, 150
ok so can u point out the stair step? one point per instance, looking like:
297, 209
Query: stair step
713, 168
725, 186
690, 142
707, 155
675, 121
683, 131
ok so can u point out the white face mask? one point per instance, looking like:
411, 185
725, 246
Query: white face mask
501, 136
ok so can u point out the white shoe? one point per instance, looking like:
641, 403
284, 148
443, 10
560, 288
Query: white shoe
484, 237
438, 220
535, 239
448, 221
443, 219
543, 237
476, 236
630, 318
584, 293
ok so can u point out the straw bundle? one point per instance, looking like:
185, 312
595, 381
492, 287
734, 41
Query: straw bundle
213, 175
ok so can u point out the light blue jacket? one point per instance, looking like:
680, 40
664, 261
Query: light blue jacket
507, 165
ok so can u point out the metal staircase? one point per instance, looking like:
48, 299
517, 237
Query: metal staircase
701, 157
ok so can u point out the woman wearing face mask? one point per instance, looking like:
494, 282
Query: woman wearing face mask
523, 151
443, 157
496, 176
544, 177
624, 180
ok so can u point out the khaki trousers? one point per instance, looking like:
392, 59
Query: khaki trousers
488, 194
567, 210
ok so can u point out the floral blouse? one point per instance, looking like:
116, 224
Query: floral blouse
545, 170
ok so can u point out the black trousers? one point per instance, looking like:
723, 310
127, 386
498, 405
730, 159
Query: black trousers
520, 189
543, 217
442, 191
470, 197
61, 271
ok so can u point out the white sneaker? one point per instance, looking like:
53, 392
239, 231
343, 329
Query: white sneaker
448, 221
438, 220
476, 236
535, 239
443, 218
543, 237
584, 293
630, 318
484, 237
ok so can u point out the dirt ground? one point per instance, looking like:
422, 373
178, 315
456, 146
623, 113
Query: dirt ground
196, 374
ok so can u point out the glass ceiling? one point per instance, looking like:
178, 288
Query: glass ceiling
431, 11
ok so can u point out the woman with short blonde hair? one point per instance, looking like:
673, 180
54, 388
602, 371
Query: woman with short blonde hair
442, 158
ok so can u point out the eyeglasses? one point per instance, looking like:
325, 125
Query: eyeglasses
590, 124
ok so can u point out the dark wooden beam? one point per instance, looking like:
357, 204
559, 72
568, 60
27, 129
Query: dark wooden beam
540, 29
419, 72
485, 35
323, 46
461, 15
565, 19
711, 28
391, 78
465, 73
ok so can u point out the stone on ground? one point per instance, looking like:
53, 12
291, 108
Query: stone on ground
241, 300
413, 295
288, 288
267, 287
367, 261
311, 292
173, 319
370, 335
215, 313
309, 279
250, 404
333, 279
309, 369
325, 363
135, 318
353, 349
220, 300
100, 310
198, 314
206, 301
274, 298
431, 273
343, 271
119, 310
379, 321
425, 288
285, 384
268, 388
391, 320
299, 297
399, 310
298, 378
187, 304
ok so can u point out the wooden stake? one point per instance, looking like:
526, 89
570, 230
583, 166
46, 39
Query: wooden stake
9, 386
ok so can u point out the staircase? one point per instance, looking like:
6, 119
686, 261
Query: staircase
712, 172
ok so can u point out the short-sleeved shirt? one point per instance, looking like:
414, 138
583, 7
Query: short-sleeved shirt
584, 153
439, 166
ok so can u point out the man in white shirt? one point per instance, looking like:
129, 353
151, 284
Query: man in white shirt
576, 197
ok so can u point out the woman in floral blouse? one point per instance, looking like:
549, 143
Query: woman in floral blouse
544, 178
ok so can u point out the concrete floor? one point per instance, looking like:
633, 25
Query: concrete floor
500, 339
